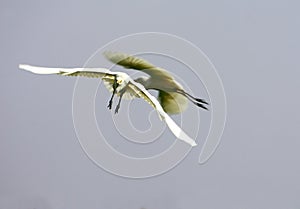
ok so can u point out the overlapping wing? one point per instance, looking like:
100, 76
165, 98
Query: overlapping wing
136, 63
172, 103
175, 129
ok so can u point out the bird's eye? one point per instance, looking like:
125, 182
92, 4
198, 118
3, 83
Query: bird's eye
119, 81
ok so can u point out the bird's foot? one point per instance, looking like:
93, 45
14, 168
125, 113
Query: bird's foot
117, 109
109, 104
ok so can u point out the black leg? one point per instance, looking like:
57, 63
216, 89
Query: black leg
115, 86
120, 99
119, 103
197, 101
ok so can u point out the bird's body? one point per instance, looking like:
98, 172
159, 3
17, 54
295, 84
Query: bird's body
172, 98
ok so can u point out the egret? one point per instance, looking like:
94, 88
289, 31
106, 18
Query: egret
172, 98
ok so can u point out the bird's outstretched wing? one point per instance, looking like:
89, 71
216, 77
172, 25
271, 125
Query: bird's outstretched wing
86, 72
134, 87
106, 75
136, 63
128, 61
176, 130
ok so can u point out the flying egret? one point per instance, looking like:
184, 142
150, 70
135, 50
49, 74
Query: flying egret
122, 84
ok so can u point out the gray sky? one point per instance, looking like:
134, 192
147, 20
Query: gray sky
254, 46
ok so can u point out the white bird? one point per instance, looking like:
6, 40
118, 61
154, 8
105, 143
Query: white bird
172, 97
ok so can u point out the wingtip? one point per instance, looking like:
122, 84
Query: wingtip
29, 68
23, 66
194, 144
108, 54
105, 53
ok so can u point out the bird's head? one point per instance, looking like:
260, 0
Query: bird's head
122, 78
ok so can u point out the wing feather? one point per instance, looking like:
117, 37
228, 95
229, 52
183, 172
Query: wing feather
85, 72
136, 63
172, 103
175, 129
128, 61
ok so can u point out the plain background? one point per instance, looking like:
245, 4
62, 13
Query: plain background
255, 48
